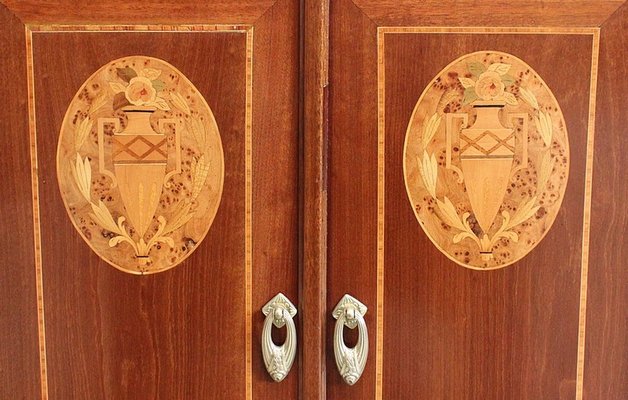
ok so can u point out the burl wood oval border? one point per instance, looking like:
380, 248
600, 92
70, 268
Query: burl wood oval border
486, 160
140, 164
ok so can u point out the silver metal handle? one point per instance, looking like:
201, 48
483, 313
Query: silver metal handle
350, 312
278, 359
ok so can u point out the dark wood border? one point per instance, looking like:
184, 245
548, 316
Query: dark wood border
19, 359
120, 12
606, 347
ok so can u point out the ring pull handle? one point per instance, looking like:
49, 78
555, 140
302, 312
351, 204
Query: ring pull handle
350, 361
278, 359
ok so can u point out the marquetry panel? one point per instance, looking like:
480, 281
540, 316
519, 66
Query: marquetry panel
486, 159
441, 331
492, 321
110, 334
140, 164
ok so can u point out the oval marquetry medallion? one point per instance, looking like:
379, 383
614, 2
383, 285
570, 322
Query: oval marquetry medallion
140, 164
486, 159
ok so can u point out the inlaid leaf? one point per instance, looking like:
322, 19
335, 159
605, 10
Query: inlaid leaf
469, 95
180, 102
161, 104
543, 123
510, 99
83, 130
97, 103
198, 130
466, 82
449, 212
119, 101
500, 68
529, 97
547, 164
508, 79
126, 73
200, 171
102, 217
429, 172
158, 85
476, 68
82, 171
150, 73
117, 87
525, 211
430, 129
180, 217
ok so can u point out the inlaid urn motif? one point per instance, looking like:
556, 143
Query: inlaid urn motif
140, 164
486, 159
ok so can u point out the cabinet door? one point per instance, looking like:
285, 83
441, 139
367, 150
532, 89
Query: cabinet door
486, 252
151, 196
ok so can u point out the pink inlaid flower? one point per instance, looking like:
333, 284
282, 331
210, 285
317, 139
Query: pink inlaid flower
489, 85
140, 91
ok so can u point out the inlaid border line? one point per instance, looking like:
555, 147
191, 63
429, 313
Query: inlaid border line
381, 138
489, 30
248, 248
381, 197
586, 218
249, 215
52, 28
39, 282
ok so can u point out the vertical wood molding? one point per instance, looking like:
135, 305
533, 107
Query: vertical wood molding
313, 280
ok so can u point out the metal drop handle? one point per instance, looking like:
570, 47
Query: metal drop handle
350, 312
278, 359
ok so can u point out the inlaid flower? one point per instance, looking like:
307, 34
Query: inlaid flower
489, 86
491, 83
140, 91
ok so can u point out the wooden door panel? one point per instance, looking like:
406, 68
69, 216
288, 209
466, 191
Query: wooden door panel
439, 330
192, 331
470, 334
139, 331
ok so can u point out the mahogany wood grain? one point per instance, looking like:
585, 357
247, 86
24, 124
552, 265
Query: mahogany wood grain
450, 332
606, 357
568, 13
352, 182
313, 156
176, 334
138, 12
275, 179
19, 355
